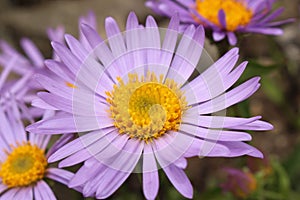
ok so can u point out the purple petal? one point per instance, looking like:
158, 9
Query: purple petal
180, 181
187, 55
222, 18
2, 188
77, 145
43, 191
59, 175
214, 81
217, 121
32, 52
231, 97
218, 36
25, 193
169, 43
6, 132
67, 57
216, 135
63, 140
76, 48
232, 39
240, 148
150, 174
9, 194
69, 124
87, 173
126, 161
265, 30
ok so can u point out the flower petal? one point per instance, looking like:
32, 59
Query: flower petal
150, 174
180, 181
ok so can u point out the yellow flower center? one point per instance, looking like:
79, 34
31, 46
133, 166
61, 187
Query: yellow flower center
237, 13
26, 164
146, 108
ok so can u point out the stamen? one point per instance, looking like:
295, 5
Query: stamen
24, 165
146, 108
237, 13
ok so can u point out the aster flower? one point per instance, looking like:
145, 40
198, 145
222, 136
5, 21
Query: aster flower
23, 160
224, 17
130, 101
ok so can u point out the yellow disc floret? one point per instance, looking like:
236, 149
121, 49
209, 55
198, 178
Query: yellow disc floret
146, 108
236, 11
24, 165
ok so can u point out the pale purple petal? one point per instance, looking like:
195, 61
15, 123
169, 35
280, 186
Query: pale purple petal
9, 194
240, 149
32, 52
217, 135
150, 173
76, 48
180, 181
70, 124
113, 178
25, 193
43, 191
59, 175
2, 188
63, 140
76, 145
232, 39
231, 97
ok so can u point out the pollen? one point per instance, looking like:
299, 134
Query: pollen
236, 11
24, 165
70, 85
146, 108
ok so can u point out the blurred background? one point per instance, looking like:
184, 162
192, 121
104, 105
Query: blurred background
275, 59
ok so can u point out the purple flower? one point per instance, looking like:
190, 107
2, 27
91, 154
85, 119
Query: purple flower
23, 160
22, 87
224, 17
241, 184
131, 102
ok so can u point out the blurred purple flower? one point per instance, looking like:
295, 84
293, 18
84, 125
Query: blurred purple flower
241, 184
224, 17
131, 100
23, 161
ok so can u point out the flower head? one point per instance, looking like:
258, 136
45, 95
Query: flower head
23, 159
224, 17
130, 100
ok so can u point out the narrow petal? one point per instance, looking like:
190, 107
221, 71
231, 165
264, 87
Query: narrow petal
25, 193
150, 174
240, 149
231, 97
43, 191
76, 48
59, 175
217, 135
265, 30
180, 181
222, 18
87, 173
232, 39
32, 52
125, 161
9, 194
69, 124
63, 140
77, 145
218, 36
